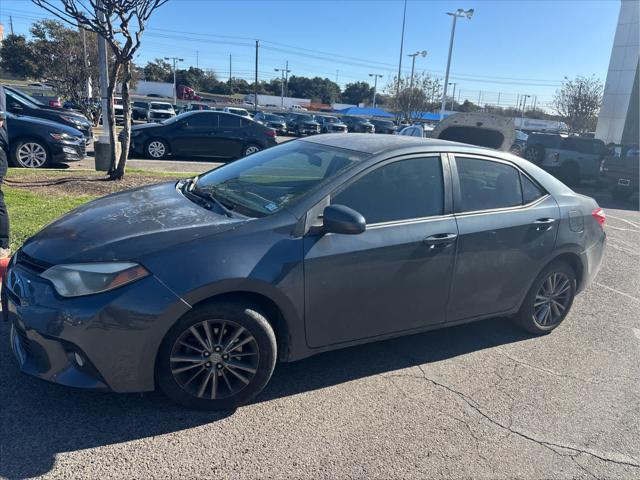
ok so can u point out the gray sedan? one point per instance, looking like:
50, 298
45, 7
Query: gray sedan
199, 287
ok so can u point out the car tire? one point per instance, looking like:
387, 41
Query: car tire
156, 149
543, 297
29, 153
256, 360
569, 173
535, 154
250, 149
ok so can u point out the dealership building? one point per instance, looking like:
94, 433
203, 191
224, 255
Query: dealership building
618, 120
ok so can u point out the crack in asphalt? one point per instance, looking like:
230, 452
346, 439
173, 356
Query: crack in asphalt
544, 443
548, 371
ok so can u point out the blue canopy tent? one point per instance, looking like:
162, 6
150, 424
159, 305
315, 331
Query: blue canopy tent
367, 112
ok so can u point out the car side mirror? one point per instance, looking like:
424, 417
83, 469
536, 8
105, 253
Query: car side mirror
344, 220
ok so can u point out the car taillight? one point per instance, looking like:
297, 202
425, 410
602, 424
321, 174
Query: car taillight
600, 216
270, 133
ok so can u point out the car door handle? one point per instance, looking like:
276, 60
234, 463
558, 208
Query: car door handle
440, 239
544, 224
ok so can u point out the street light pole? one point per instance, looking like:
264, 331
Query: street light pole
458, 13
524, 105
404, 17
453, 98
283, 70
413, 56
175, 60
375, 86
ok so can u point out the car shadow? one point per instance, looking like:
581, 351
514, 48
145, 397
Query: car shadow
41, 420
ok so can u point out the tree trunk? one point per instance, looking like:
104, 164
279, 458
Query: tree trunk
126, 131
113, 76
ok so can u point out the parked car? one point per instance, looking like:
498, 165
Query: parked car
302, 124
201, 133
413, 131
329, 124
160, 111
519, 144
139, 110
383, 126
237, 111
570, 158
38, 143
619, 171
50, 100
118, 110
313, 245
358, 124
193, 106
272, 121
298, 108
21, 104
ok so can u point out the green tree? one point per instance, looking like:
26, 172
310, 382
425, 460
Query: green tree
357, 92
424, 95
16, 57
158, 71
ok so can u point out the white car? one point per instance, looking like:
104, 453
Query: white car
298, 108
160, 111
237, 111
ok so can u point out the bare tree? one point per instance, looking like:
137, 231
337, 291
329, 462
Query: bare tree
121, 23
578, 103
420, 97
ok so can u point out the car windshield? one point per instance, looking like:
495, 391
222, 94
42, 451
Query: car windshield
161, 106
30, 101
273, 118
268, 181
305, 118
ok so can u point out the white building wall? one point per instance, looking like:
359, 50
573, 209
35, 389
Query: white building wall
622, 69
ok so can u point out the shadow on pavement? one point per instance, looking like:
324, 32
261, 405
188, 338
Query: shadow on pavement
41, 420
605, 200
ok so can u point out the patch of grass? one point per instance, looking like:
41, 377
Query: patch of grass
29, 211
54, 172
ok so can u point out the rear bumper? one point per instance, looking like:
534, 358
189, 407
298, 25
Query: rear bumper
591, 261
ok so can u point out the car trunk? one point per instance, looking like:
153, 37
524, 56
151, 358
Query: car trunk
481, 129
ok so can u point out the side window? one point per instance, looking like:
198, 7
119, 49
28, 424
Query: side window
12, 103
398, 191
199, 120
485, 185
530, 191
230, 121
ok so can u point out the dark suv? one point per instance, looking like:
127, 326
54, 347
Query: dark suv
569, 158
383, 126
620, 171
359, 124
20, 103
302, 124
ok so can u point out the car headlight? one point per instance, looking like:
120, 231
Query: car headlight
62, 136
78, 279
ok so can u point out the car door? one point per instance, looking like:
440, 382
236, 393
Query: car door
507, 226
393, 277
230, 135
194, 134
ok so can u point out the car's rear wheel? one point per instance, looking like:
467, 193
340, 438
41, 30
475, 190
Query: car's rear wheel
30, 153
217, 357
156, 149
534, 153
549, 299
251, 149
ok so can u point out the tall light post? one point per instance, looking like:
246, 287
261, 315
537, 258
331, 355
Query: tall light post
283, 70
453, 97
175, 87
404, 18
458, 13
375, 76
413, 56
524, 105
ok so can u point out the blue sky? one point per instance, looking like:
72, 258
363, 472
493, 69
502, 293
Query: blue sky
511, 47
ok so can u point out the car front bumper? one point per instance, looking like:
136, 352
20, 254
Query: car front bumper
68, 151
105, 341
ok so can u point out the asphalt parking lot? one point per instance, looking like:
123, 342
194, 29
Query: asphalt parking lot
477, 401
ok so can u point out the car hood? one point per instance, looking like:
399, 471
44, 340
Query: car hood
16, 120
155, 110
126, 226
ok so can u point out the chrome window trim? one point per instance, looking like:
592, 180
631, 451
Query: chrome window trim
504, 209
408, 221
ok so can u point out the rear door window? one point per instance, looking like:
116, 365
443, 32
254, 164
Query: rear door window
230, 121
487, 185
530, 191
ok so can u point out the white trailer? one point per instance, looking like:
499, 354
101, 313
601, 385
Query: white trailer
272, 100
144, 88
532, 124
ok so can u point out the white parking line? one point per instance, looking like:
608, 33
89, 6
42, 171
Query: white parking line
636, 299
624, 220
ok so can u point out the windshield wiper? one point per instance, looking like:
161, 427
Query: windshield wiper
204, 196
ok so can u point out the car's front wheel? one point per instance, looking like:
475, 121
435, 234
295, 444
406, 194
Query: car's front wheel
549, 299
156, 149
217, 357
30, 153
250, 149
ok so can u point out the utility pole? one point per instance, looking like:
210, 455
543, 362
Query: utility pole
197, 59
175, 60
458, 13
524, 106
255, 87
423, 53
453, 97
11, 24
286, 79
229, 70
498, 104
535, 101
404, 17
375, 86
103, 67
283, 70
337, 74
